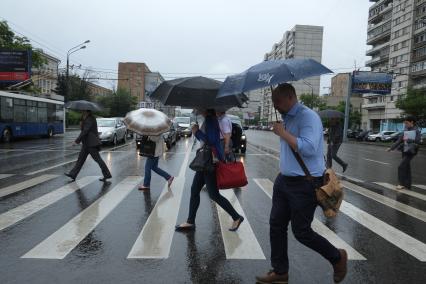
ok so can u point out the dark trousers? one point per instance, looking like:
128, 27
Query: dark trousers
332, 155
295, 201
404, 170
151, 164
94, 152
208, 179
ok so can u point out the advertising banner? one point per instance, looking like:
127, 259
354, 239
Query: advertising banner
371, 82
15, 65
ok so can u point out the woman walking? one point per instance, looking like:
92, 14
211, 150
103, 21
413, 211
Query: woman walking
151, 164
210, 134
407, 143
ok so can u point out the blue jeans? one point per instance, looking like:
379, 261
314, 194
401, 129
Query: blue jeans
295, 201
151, 164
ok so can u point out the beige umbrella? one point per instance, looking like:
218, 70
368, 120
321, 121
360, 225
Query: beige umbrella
147, 121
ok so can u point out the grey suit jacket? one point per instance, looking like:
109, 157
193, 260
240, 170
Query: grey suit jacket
89, 135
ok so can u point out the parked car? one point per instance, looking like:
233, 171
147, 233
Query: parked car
381, 136
352, 133
111, 130
393, 137
239, 138
170, 137
362, 136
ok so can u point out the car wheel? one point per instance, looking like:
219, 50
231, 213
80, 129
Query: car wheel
114, 140
377, 139
7, 135
168, 145
243, 151
125, 138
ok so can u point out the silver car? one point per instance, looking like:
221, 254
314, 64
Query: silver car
111, 130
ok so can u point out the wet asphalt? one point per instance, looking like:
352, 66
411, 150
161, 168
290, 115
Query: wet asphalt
200, 256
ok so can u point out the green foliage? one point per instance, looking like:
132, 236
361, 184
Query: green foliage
354, 116
73, 117
78, 88
117, 104
414, 103
8, 39
314, 101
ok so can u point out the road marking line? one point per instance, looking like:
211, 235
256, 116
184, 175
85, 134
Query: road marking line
63, 241
2, 176
267, 186
349, 178
396, 237
21, 212
49, 168
404, 191
383, 163
420, 186
155, 239
414, 212
243, 243
25, 184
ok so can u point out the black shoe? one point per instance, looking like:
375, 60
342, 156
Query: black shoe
179, 228
240, 220
345, 166
70, 176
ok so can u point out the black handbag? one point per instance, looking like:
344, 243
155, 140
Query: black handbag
203, 161
411, 148
147, 148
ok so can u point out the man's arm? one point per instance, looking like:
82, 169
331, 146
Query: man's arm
87, 125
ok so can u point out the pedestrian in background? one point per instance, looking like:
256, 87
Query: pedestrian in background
89, 137
225, 125
408, 143
210, 134
294, 196
151, 164
335, 139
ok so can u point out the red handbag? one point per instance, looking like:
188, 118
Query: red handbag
230, 175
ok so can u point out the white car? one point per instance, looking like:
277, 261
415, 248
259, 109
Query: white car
381, 136
111, 130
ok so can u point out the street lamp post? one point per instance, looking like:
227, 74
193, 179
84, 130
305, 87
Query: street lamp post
70, 51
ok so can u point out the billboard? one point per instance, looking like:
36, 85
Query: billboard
15, 65
371, 82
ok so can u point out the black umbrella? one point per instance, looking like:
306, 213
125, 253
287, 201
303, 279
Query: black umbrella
192, 92
83, 105
331, 113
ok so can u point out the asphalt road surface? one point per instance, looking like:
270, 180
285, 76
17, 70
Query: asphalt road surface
56, 231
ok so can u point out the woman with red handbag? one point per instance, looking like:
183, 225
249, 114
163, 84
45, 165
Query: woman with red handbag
210, 134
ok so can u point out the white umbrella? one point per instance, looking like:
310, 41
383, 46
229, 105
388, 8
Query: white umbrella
147, 121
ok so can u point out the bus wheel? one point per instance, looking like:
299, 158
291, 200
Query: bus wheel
50, 132
7, 135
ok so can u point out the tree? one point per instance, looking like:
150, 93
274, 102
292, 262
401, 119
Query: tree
78, 88
354, 116
117, 104
413, 103
9, 40
314, 101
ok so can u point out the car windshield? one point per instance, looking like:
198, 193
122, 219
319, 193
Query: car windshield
106, 122
184, 120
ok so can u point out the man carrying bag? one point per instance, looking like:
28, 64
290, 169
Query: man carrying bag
294, 197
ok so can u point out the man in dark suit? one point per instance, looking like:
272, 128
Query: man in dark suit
89, 137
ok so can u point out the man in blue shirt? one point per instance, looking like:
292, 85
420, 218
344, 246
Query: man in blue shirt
294, 196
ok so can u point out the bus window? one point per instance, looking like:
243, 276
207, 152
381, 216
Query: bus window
19, 111
59, 113
42, 112
31, 111
51, 109
6, 110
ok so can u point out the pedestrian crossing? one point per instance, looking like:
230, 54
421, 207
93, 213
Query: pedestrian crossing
156, 237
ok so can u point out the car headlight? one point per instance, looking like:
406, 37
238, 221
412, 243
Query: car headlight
243, 137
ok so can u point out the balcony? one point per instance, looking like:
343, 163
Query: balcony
383, 10
377, 48
385, 35
371, 106
377, 60
386, 18
418, 74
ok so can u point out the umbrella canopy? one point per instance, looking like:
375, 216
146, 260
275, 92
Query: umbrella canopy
192, 92
83, 105
270, 73
147, 121
331, 113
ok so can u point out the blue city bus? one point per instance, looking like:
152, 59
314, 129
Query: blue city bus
24, 115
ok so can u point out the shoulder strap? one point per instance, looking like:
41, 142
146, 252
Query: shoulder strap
301, 163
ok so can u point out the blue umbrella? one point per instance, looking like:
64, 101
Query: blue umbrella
269, 73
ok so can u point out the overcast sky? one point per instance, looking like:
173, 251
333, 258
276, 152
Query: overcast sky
178, 37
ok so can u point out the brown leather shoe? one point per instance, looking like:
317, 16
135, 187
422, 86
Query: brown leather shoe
340, 268
272, 278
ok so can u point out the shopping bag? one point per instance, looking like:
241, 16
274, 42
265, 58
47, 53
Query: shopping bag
230, 175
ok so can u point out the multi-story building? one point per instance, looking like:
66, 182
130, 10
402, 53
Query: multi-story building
418, 55
46, 77
131, 77
301, 42
392, 26
96, 90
